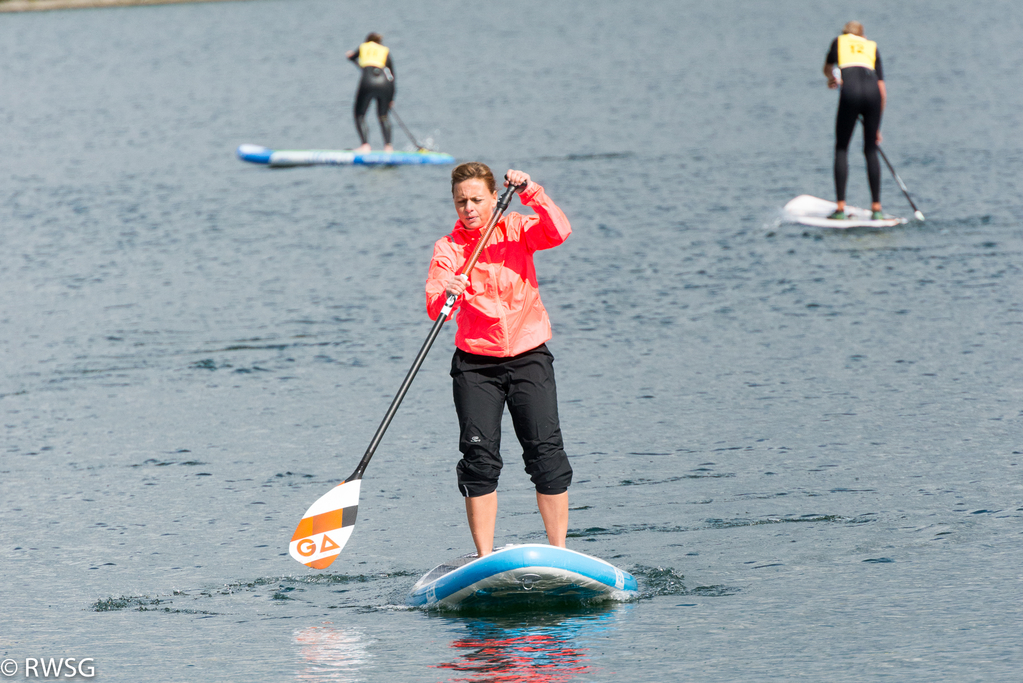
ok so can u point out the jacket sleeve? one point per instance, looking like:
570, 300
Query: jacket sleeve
442, 267
549, 227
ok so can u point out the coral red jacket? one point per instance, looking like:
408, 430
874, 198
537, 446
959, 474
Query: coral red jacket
500, 313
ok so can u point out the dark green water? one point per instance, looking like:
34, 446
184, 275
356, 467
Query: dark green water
805, 444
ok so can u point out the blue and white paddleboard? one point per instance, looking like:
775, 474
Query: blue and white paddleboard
337, 157
814, 211
518, 575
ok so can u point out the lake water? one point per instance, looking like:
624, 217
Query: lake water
806, 445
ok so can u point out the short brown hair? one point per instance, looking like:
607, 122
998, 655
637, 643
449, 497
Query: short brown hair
375, 38
470, 170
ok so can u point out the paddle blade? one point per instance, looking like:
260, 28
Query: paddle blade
326, 526
918, 215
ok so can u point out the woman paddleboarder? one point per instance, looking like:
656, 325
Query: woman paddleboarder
377, 83
854, 64
501, 356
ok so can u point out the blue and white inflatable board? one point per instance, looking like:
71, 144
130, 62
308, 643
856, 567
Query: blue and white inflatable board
337, 157
522, 574
814, 211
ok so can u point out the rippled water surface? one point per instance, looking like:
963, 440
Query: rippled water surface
805, 444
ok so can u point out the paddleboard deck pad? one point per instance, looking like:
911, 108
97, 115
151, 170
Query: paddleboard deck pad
814, 211
518, 576
337, 157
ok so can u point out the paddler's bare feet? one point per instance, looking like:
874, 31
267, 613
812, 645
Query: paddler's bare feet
388, 148
363, 149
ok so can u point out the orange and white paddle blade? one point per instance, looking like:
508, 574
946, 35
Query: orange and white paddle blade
326, 526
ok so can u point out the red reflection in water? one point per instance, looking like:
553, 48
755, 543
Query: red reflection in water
537, 658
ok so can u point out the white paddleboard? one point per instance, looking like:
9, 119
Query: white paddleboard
522, 575
814, 211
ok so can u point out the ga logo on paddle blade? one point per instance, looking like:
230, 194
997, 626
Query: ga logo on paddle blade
326, 526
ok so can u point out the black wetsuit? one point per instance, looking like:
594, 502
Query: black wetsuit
860, 96
376, 84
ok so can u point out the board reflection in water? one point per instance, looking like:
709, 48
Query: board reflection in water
331, 653
542, 648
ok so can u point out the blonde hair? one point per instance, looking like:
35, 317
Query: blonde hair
470, 170
853, 27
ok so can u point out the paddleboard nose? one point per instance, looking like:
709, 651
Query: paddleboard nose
254, 153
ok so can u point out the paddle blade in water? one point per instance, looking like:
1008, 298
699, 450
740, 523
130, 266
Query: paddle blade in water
326, 526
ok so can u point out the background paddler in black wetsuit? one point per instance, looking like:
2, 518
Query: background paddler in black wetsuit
854, 65
377, 83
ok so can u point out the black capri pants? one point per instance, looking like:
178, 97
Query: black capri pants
482, 386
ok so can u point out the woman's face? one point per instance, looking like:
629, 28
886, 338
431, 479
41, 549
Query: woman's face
474, 203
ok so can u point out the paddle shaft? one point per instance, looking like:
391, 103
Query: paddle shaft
902, 185
405, 128
502, 205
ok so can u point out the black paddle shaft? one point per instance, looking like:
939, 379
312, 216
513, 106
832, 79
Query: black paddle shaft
405, 128
502, 205
902, 185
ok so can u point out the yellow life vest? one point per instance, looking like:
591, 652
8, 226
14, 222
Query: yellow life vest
856, 51
373, 54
